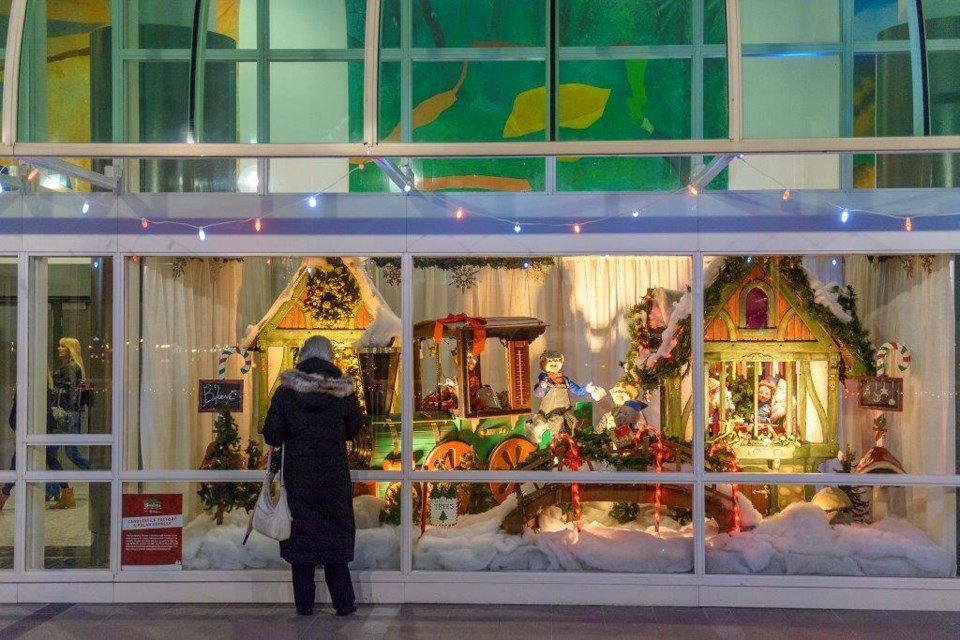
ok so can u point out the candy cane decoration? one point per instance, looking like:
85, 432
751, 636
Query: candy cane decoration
571, 458
734, 487
226, 353
892, 347
657, 489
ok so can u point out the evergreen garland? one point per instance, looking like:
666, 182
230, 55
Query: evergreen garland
449, 264
853, 335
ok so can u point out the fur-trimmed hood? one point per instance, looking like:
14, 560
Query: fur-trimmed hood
304, 382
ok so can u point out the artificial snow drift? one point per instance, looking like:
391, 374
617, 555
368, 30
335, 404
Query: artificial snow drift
799, 540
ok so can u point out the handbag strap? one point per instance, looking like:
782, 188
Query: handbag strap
283, 454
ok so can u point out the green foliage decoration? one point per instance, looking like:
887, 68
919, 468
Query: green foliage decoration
449, 264
853, 335
224, 453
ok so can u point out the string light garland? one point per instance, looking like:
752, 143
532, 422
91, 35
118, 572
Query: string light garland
844, 213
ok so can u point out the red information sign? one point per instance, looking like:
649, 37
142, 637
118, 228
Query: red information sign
152, 531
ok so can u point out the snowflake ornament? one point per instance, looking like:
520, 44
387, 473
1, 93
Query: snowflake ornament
391, 274
464, 277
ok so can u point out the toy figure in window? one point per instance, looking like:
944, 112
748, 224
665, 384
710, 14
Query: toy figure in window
771, 408
482, 396
555, 413
628, 421
718, 395
620, 393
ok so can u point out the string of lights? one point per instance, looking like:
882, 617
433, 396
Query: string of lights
694, 189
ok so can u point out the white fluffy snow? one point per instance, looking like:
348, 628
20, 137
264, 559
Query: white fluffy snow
798, 540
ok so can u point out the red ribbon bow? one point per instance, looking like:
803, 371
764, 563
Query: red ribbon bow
479, 326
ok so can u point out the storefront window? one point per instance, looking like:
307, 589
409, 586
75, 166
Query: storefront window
8, 390
214, 517
69, 538
205, 331
565, 527
823, 365
842, 530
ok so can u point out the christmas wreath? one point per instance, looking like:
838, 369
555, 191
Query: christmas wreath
331, 296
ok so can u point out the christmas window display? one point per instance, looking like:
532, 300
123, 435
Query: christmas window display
518, 364
215, 334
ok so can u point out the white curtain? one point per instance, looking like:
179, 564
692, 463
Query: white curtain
187, 320
583, 299
918, 311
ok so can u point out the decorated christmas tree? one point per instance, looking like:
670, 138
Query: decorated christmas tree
224, 453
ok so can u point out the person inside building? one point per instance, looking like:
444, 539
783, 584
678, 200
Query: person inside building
68, 407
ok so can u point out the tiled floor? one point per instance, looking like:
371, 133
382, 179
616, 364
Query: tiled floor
463, 622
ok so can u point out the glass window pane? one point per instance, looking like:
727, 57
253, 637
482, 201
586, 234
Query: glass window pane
623, 99
316, 101
878, 20
586, 23
578, 314
8, 389
4, 25
307, 24
453, 101
791, 97
189, 318
65, 81
793, 380
789, 21
69, 538
71, 355
208, 545
838, 531
715, 22
651, 523
456, 23
68, 457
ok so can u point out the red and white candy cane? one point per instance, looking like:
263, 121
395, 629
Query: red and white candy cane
659, 449
896, 349
571, 459
734, 488
226, 353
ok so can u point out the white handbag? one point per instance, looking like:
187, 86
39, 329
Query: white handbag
271, 516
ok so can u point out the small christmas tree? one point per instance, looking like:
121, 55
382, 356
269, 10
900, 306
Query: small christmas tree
224, 453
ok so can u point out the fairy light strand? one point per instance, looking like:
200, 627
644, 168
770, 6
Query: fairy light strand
845, 213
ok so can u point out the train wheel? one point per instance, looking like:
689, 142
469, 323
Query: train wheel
446, 456
507, 455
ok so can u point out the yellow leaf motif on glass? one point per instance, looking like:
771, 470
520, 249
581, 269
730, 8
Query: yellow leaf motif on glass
580, 106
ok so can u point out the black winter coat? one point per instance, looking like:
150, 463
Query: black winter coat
313, 413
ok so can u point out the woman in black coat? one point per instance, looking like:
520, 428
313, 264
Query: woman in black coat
312, 415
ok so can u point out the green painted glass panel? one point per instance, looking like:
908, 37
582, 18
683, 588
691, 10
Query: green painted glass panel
587, 23
624, 99
715, 107
479, 101
4, 24
463, 24
715, 22
479, 174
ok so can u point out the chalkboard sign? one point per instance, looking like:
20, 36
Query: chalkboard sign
881, 393
214, 393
